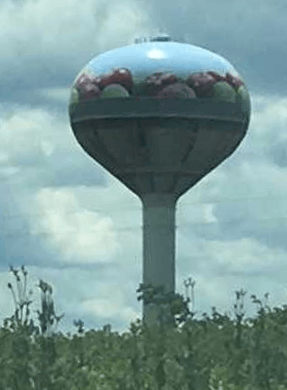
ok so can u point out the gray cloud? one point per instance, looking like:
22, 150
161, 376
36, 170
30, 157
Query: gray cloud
250, 35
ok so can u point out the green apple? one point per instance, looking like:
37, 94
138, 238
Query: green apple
114, 91
243, 99
223, 91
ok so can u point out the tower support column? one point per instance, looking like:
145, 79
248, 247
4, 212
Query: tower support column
158, 249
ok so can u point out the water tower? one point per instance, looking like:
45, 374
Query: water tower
159, 116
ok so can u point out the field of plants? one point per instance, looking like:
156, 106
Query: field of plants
213, 353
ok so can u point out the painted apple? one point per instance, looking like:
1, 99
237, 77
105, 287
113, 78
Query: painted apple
223, 91
159, 80
84, 79
216, 75
177, 90
202, 83
234, 81
243, 99
89, 91
87, 87
121, 76
114, 91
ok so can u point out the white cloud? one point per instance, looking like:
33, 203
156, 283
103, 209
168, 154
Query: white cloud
111, 306
25, 137
268, 121
245, 255
100, 307
197, 213
38, 148
81, 235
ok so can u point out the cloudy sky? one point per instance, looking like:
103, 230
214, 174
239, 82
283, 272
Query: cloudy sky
77, 227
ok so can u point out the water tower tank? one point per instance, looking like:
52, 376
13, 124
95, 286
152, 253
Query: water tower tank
159, 115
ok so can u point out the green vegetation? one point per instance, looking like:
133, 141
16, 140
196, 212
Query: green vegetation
214, 353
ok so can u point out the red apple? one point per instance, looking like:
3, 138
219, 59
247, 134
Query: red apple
167, 79
216, 75
87, 87
120, 76
157, 81
234, 81
123, 77
89, 91
84, 79
202, 83
104, 80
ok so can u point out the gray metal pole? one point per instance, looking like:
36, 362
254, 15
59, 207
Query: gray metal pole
158, 248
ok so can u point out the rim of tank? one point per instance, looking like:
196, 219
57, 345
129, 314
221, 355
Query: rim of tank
152, 108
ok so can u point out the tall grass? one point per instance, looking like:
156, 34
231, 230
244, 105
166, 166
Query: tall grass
214, 353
